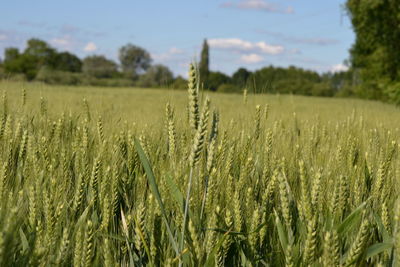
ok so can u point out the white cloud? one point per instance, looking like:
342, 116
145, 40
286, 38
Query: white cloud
321, 41
245, 46
261, 5
65, 42
339, 67
289, 10
90, 47
251, 58
60, 41
175, 51
256, 4
167, 56
3, 37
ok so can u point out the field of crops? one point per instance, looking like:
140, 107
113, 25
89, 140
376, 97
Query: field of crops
132, 177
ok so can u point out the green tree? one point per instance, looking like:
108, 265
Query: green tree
204, 64
240, 77
14, 63
11, 54
284, 80
134, 60
375, 55
99, 66
65, 61
179, 83
216, 78
36, 55
157, 75
41, 52
11, 62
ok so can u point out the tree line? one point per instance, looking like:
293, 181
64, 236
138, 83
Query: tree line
373, 72
270, 79
375, 55
41, 62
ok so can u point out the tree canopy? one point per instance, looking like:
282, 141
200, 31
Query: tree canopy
375, 55
157, 75
44, 63
134, 59
99, 66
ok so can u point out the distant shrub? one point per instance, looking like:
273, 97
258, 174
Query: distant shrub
345, 91
49, 76
179, 83
215, 79
20, 77
156, 76
322, 89
108, 82
2, 73
393, 93
228, 88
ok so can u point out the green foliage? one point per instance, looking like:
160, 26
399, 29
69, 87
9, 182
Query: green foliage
204, 69
179, 83
2, 72
41, 62
107, 82
215, 79
229, 88
376, 51
393, 92
79, 185
241, 77
281, 80
43, 54
38, 54
15, 62
99, 66
66, 61
322, 89
156, 76
134, 60
58, 77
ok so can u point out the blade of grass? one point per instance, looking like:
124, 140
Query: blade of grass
154, 188
351, 220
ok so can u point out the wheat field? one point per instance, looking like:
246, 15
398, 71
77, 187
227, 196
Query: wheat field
149, 177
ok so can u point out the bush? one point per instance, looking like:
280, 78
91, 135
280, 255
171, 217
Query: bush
17, 77
58, 77
179, 83
106, 82
215, 79
393, 93
321, 89
228, 88
156, 76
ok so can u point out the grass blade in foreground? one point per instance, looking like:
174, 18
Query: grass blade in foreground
154, 188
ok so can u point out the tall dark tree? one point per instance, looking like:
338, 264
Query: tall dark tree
204, 63
375, 55
134, 60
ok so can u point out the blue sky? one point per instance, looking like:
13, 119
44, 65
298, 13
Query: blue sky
242, 33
